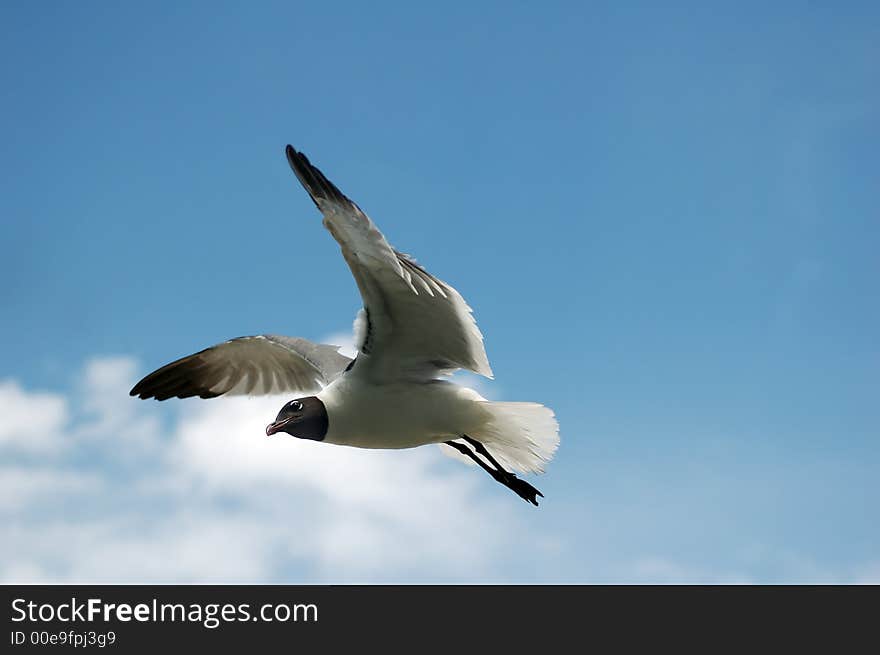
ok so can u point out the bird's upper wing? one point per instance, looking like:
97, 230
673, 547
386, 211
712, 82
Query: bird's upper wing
417, 326
259, 365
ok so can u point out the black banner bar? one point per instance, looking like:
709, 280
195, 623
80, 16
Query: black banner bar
140, 618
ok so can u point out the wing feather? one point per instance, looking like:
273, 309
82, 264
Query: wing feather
259, 365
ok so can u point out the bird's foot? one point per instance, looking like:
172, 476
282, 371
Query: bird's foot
520, 487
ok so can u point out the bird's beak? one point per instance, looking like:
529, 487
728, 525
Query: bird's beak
277, 426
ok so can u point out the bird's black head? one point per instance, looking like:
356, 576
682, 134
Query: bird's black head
304, 418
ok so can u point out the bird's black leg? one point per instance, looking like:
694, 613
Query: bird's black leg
480, 448
464, 450
520, 487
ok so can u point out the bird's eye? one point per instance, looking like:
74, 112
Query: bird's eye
296, 406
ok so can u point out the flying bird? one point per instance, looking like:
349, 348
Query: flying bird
413, 330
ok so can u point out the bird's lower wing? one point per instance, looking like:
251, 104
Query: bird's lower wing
258, 365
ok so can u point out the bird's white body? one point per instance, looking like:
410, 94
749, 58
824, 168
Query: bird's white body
399, 414
406, 414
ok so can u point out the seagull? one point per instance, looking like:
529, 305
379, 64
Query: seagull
413, 331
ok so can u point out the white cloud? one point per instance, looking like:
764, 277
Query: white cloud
27, 487
344, 340
30, 421
361, 513
211, 498
108, 412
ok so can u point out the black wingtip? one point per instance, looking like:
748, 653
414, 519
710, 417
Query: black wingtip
291, 153
299, 163
305, 173
137, 392
171, 380
314, 181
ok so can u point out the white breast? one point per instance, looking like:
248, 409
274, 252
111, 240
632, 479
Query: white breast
399, 415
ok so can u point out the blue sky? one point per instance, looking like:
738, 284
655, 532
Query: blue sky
666, 220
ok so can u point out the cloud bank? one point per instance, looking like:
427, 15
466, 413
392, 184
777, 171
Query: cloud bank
98, 487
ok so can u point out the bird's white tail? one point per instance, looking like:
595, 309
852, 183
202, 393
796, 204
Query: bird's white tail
521, 436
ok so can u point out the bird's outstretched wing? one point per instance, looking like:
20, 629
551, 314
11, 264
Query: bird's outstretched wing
260, 365
417, 326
